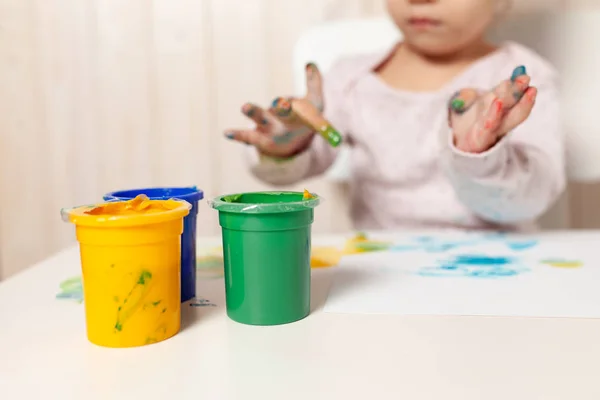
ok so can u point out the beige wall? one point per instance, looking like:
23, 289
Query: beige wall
98, 95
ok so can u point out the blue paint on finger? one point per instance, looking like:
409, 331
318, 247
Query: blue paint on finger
517, 72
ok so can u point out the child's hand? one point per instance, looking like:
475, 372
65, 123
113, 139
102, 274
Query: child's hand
480, 120
278, 131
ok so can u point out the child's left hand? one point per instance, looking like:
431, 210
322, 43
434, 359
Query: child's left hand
480, 120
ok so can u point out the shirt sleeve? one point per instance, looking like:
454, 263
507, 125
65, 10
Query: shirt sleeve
519, 178
319, 156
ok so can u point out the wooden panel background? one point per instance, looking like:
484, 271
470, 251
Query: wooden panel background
98, 95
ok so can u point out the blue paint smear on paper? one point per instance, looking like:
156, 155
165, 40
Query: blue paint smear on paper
475, 266
521, 245
433, 244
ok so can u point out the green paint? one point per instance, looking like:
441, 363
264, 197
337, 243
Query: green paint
116, 299
143, 277
71, 289
332, 136
234, 198
137, 294
264, 202
372, 246
156, 303
164, 310
209, 267
457, 105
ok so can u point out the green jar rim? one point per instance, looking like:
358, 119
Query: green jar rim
264, 202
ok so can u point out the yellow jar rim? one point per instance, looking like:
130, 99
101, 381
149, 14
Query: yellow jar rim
80, 216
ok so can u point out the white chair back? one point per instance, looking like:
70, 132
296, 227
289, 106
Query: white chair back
324, 44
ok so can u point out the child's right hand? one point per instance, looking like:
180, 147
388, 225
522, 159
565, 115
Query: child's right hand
278, 131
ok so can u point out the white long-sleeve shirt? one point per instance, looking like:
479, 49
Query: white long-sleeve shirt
405, 171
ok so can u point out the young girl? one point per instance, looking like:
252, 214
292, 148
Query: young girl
442, 128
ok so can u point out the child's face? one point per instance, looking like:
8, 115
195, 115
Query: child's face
440, 27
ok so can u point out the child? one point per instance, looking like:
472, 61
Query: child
441, 127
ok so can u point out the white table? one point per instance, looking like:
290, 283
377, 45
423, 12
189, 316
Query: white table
44, 353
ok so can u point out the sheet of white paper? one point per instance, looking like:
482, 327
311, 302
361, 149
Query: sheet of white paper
473, 274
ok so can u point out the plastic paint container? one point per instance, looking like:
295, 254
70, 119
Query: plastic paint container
266, 252
130, 260
188, 240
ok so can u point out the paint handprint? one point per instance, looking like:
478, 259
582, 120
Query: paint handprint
479, 120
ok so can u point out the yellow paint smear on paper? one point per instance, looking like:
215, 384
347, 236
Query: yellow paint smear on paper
563, 263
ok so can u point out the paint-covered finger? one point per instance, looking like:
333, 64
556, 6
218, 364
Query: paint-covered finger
516, 87
249, 137
519, 113
291, 135
257, 114
511, 90
462, 101
311, 117
504, 93
282, 107
493, 117
518, 72
314, 86
483, 133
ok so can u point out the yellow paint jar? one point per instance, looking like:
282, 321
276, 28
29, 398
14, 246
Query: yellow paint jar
130, 260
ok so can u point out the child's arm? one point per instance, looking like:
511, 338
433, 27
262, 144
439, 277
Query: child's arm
312, 161
520, 176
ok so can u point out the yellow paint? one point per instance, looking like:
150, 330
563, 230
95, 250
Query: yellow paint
137, 206
130, 259
361, 244
563, 263
209, 263
307, 195
324, 257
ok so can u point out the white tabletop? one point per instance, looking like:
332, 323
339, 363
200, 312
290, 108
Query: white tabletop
44, 353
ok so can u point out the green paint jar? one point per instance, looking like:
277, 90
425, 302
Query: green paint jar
266, 252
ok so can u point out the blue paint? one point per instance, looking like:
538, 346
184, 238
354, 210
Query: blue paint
432, 244
519, 71
290, 135
475, 266
482, 260
521, 245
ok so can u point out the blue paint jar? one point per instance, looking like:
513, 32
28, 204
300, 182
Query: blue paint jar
188, 239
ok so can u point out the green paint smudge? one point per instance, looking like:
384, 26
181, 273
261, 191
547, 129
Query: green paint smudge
143, 277
234, 198
138, 292
71, 289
